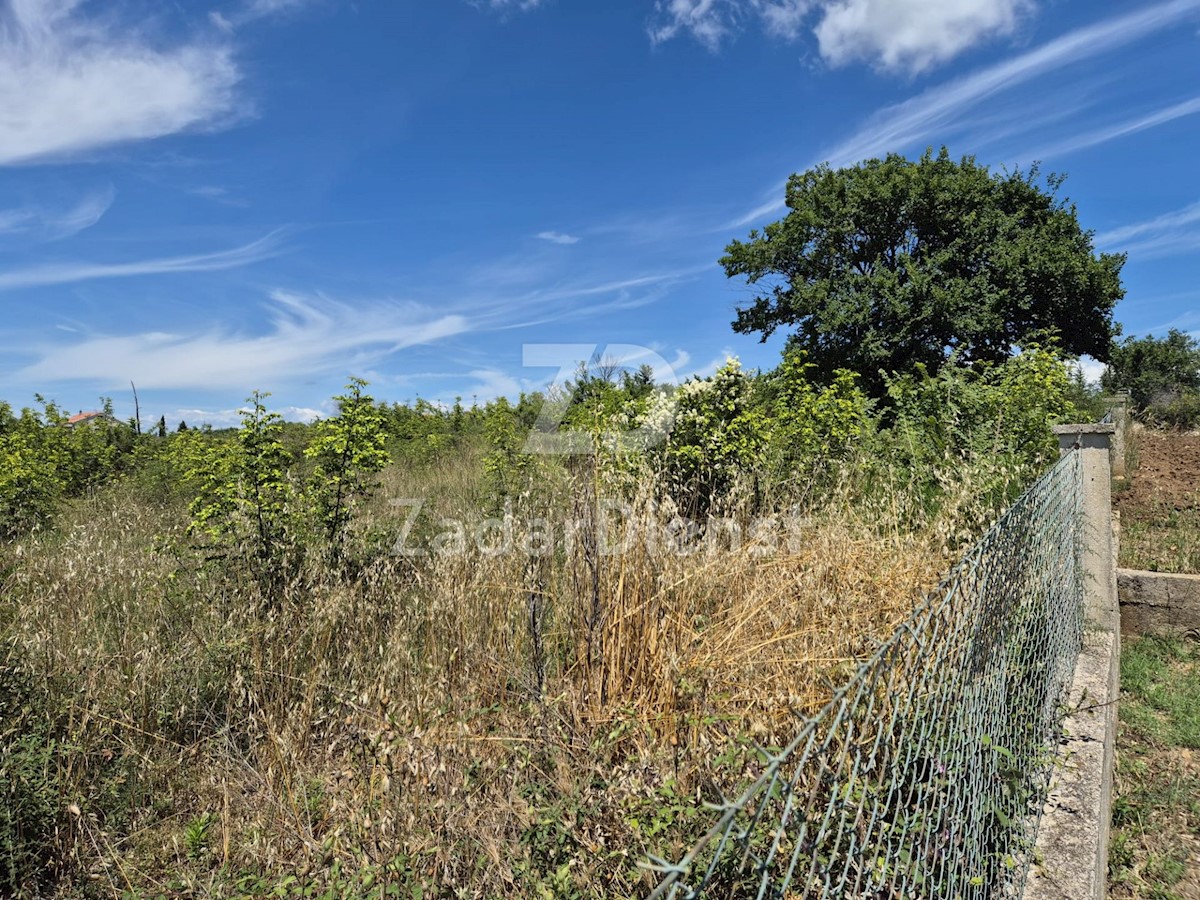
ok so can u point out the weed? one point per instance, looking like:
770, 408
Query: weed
196, 835
1157, 802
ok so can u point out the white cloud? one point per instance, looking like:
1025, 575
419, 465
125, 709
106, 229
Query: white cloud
217, 194
712, 21
253, 10
783, 18
557, 237
488, 384
893, 34
306, 334
944, 107
52, 224
555, 303
260, 8
505, 6
1091, 369
221, 22
912, 35
230, 418
941, 106
708, 21
69, 86
69, 273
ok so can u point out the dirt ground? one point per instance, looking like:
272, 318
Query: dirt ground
1160, 506
1167, 474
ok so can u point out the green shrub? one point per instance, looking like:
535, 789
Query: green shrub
712, 433
1180, 410
42, 460
812, 426
30, 796
245, 503
29, 485
964, 410
1151, 368
506, 465
347, 450
964, 442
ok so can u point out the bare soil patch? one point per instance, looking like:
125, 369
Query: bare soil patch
1160, 507
1167, 474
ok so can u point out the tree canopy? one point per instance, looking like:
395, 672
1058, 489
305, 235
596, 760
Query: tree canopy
893, 262
1154, 369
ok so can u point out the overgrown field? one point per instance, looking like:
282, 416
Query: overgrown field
396, 654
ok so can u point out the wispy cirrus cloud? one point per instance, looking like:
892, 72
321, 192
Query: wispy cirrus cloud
1169, 234
261, 8
1133, 125
72, 272
947, 108
305, 334
71, 85
583, 299
1178, 218
507, 6
49, 223
254, 10
916, 119
558, 237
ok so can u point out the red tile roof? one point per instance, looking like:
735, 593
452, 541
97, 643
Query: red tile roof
84, 417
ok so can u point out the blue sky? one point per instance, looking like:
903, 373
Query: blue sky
276, 194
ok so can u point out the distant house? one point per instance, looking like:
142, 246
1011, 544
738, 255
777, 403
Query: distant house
96, 417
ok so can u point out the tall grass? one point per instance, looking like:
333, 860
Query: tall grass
474, 724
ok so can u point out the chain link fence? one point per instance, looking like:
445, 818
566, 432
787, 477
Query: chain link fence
925, 775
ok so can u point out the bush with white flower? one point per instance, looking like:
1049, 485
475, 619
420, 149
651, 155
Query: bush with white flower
707, 434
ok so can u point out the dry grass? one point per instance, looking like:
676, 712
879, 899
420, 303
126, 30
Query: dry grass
473, 725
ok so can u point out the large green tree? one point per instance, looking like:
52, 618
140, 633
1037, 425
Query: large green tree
893, 262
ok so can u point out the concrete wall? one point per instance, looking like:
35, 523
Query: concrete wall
1071, 858
1158, 603
1071, 853
1072, 844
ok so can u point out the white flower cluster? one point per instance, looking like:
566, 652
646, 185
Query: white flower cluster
664, 412
659, 417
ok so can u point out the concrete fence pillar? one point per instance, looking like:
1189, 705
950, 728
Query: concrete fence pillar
1072, 841
1094, 442
1118, 405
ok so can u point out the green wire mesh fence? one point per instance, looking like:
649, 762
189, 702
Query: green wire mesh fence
925, 775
